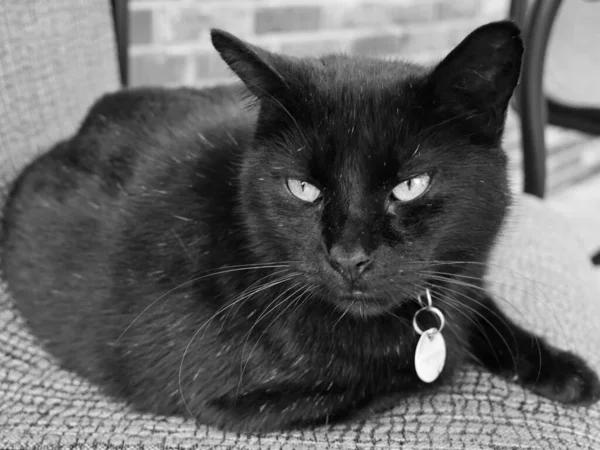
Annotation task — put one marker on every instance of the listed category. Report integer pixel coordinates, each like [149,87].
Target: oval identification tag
[430,355]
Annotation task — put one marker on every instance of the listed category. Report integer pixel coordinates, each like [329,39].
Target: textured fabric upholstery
[55,58]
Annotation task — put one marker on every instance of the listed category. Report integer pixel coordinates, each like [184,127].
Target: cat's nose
[350,263]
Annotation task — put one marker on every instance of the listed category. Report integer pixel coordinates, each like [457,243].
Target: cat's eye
[303,190]
[411,189]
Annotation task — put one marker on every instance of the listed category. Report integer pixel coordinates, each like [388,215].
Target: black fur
[140,250]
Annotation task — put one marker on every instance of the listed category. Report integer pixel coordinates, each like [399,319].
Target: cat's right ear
[259,69]
[481,73]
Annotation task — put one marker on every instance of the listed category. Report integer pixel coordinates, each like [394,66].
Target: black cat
[253,256]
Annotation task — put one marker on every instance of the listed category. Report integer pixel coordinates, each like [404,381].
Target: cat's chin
[365,306]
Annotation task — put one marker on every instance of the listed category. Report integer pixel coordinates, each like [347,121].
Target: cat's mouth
[361,304]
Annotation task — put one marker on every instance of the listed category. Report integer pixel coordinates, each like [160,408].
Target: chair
[536,108]
[533,104]
[55,59]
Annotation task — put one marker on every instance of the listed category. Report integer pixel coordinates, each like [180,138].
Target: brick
[157,69]
[211,65]
[452,9]
[423,44]
[495,9]
[141,28]
[237,19]
[193,23]
[313,47]
[287,19]
[434,38]
[379,44]
[183,24]
[376,14]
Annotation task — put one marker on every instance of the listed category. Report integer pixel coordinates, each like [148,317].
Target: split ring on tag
[430,354]
[432,310]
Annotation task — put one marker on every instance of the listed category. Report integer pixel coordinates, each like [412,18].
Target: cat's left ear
[260,70]
[483,70]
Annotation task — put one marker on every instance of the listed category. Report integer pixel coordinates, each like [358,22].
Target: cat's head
[366,172]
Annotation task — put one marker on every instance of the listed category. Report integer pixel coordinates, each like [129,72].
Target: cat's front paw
[562,377]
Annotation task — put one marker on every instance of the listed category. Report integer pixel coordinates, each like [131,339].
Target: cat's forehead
[345,67]
[353,129]
[362,102]
[353,92]
[361,78]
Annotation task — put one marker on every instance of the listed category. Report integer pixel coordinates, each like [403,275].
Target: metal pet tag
[430,355]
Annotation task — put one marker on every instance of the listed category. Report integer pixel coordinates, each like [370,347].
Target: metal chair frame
[534,107]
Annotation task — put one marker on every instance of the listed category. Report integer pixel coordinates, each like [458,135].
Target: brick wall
[170,40]
[170,45]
